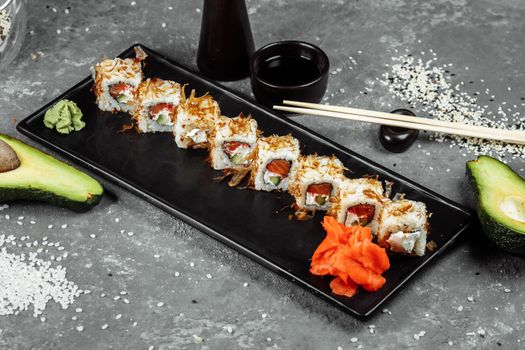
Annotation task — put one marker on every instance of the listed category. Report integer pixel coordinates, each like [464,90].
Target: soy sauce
[289,70]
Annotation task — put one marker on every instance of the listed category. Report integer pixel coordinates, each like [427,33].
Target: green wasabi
[64,116]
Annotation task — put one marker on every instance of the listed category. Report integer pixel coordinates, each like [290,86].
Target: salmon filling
[361,214]
[276,171]
[121,92]
[162,113]
[237,152]
[318,194]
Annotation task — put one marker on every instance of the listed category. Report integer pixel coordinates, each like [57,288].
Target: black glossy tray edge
[21,127]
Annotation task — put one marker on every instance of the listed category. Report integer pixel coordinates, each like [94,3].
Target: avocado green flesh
[237,159]
[43,178]
[275,180]
[500,194]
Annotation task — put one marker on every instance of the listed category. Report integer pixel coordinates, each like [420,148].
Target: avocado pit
[8,158]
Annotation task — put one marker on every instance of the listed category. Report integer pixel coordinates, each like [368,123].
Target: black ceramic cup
[289,70]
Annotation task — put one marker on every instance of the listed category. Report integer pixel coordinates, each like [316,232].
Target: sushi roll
[116,81]
[275,159]
[195,120]
[403,227]
[316,181]
[359,202]
[156,103]
[232,142]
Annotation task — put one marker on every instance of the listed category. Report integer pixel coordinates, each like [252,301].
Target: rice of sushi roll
[232,142]
[275,159]
[403,227]
[116,81]
[359,202]
[156,103]
[316,181]
[195,120]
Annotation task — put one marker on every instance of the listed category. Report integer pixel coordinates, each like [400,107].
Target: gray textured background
[486,35]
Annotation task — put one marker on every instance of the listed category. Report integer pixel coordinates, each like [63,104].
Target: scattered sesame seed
[123,292]
[126,301]
[177,274]
[80,328]
[118,316]
[117,219]
[353,340]
[74,318]
[208,276]
[78,309]
[63,226]
[470,298]
[133,3]
[460,308]
[197,339]
[93,235]
[130,233]
[507,290]
[245,284]
[104,326]
[160,304]
[163,25]
[192,264]
[156,256]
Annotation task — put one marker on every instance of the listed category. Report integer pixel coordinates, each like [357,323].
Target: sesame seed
[208,276]
[118,316]
[104,326]
[245,284]
[160,304]
[80,328]
[177,274]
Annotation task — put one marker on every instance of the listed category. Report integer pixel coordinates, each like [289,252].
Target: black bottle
[226,42]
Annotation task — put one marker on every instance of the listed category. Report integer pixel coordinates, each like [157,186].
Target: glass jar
[13,24]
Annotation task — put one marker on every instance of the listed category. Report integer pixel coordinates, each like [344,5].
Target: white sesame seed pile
[5,25]
[426,85]
[26,280]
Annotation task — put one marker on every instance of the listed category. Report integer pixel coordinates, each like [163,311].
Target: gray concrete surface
[262,310]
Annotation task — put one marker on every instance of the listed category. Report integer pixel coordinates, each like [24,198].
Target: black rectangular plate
[181,183]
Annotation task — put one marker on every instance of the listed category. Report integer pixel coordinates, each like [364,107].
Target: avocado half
[43,178]
[500,195]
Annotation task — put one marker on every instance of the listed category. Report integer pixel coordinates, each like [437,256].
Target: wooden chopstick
[490,135]
[405,118]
